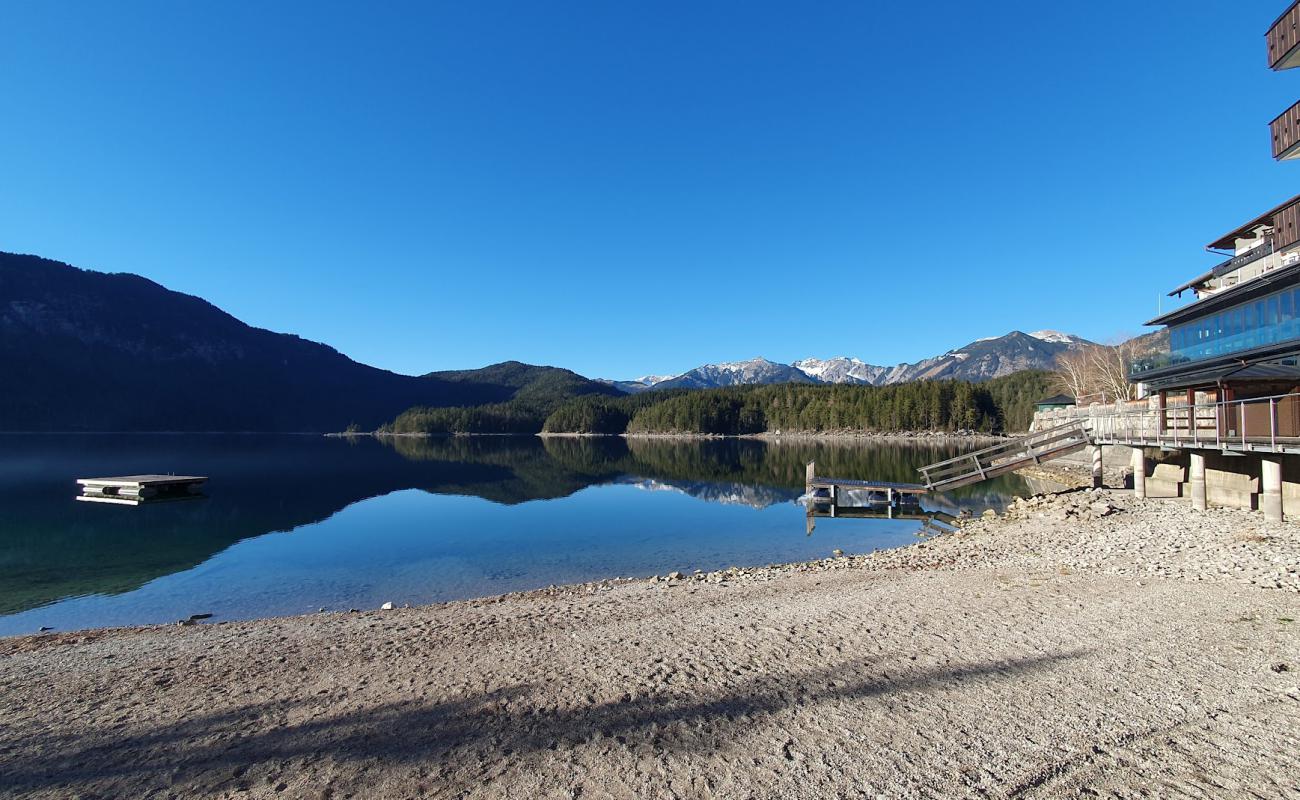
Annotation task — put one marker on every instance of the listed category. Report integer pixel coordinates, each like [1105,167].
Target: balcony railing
[1286,134]
[1284,40]
[1269,424]
[1252,255]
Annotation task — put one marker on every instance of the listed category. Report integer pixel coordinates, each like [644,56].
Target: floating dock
[133,490]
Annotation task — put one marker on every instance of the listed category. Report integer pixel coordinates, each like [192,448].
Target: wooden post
[1196,476]
[1096,466]
[1270,499]
[810,474]
[1161,422]
[1139,472]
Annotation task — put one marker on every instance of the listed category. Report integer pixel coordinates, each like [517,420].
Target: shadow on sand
[215,752]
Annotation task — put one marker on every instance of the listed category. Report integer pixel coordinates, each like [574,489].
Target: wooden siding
[1285,130]
[1284,35]
[1286,226]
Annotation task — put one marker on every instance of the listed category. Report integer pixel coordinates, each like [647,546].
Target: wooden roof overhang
[1229,240]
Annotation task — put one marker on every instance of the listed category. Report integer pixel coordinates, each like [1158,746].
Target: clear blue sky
[631,187]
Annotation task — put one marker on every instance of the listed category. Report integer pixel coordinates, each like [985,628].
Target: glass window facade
[1267,320]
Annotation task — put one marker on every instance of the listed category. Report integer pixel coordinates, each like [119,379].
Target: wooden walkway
[1009,456]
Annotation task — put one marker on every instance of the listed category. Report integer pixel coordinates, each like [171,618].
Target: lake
[292,524]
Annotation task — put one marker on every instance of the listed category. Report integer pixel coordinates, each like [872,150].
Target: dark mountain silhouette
[90,351]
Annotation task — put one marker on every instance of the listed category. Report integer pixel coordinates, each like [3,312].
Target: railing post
[1272,422]
[1218,423]
[1241,422]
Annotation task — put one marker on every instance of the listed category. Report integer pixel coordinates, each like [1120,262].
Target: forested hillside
[537,391]
[1001,405]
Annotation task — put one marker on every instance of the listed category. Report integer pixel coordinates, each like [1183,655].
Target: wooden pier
[829,488]
[133,490]
[885,500]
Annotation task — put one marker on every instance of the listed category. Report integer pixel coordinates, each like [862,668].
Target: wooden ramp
[1009,456]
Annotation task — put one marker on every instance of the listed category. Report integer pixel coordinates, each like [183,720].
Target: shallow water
[291,524]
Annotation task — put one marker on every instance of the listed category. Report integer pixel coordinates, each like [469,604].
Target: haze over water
[291,524]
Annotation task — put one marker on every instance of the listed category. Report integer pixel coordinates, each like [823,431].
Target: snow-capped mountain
[982,359]
[840,369]
[990,358]
[735,373]
[1059,338]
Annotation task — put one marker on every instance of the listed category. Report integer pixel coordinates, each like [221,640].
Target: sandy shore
[1087,644]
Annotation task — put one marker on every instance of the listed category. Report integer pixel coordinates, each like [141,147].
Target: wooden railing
[1258,423]
[990,462]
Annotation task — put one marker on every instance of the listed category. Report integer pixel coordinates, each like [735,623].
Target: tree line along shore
[1001,405]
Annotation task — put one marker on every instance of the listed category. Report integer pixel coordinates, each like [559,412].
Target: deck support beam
[1270,499]
[1196,477]
[1095,451]
[1139,472]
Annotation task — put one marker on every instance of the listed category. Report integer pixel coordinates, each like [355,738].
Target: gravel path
[1086,644]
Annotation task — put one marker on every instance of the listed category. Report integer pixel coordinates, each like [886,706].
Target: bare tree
[1096,373]
[1109,366]
[1072,370]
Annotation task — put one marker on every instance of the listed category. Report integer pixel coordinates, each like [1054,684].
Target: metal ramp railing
[1009,456]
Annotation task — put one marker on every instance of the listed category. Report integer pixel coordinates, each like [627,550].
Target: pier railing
[1041,445]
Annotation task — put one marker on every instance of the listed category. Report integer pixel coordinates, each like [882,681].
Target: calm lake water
[291,524]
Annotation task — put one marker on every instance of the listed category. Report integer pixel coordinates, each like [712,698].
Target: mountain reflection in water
[53,549]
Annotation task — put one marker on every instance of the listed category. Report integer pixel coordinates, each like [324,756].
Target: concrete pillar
[1270,499]
[1139,472]
[1196,477]
[1096,465]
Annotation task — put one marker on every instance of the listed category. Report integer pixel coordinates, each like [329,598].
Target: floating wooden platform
[136,489]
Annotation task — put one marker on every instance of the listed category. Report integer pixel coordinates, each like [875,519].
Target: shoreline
[1084,639]
[924,437]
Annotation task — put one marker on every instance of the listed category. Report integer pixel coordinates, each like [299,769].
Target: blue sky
[623,187]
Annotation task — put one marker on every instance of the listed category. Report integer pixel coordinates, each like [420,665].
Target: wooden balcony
[1284,39]
[1286,134]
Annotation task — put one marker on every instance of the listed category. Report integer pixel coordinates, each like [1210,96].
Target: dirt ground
[920,673]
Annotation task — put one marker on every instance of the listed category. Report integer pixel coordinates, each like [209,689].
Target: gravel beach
[1083,644]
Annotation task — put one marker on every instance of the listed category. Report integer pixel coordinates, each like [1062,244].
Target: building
[1225,397]
[1054,403]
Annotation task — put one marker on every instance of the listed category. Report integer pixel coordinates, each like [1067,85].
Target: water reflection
[52,547]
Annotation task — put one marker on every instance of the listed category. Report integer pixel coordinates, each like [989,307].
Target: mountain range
[981,360]
[89,351]
[92,351]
